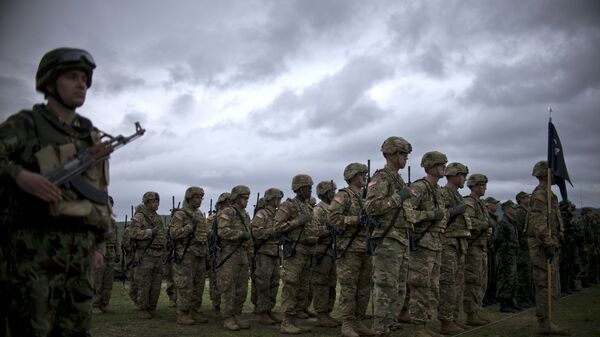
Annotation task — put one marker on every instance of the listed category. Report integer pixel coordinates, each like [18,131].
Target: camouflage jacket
[263,232]
[480,222]
[189,225]
[286,223]
[521,221]
[344,216]
[142,224]
[380,205]
[318,227]
[460,227]
[232,224]
[538,219]
[506,236]
[427,199]
[112,248]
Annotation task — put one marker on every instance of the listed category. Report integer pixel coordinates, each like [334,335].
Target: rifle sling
[354,235]
[238,245]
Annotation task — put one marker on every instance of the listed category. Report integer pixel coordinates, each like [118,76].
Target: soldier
[429,217]
[266,257]
[387,192]
[148,230]
[454,250]
[489,298]
[51,231]
[589,246]
[104,276]
[236,250]
[323,272]
[189,232]
[291,220]
[524,293]
[354,265]
[476,259]
[129,250]
[215,296]
[506,244]
[569,268]
[543,229]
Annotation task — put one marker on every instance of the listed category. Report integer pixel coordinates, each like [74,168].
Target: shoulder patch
[223,216]
[372,183]
[179,215]
[260,215]
[339,198]
[138,217]
[285,208]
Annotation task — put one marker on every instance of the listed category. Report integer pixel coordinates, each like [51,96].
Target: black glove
[303,219]
[245,236]
[456,210]
[154,231]
[438,214]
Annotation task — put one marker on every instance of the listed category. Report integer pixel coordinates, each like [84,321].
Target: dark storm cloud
[15,94]
[116,82]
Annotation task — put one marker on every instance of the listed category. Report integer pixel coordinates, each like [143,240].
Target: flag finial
[550,111]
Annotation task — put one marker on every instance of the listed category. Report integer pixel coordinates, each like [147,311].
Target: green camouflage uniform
[46,261]
[104,277]
[524,292]
[189,232]
[149,255]
[233,275]
[323,272]
[215,296]
[454,250]
[424,264]
[506,244]
[129,246]
[266,274]
[390,264]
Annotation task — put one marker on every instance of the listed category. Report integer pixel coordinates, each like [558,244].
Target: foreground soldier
[387,192]
[148,230]
[104,277]
[476,259]
[266,274]
[429,217]
[524,294]
[236,249]
[454,250]
[291,219]
[543,247]
[189,232]
[50,232]
[354,266]
[323,273]
[506,244]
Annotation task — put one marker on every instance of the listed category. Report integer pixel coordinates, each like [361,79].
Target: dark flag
[556,161]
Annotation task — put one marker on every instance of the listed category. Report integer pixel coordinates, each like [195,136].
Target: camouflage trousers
[305,291]
[323,280]
[266,282]
[104,278]
[424,281]
[540,280]
[452,279]
[189,277]
[390,273]
[475,278]
[148,276]
[354,275]
[293,274]
[48,282]
[506,267]
[232,281]
[215,296]
[524,291]
[168,276]
[133,286]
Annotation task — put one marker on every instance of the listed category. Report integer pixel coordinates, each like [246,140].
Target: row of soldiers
[414,248]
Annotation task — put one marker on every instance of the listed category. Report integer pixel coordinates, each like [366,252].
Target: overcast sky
[254,92]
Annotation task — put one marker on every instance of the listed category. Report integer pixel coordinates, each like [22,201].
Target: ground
[580,313]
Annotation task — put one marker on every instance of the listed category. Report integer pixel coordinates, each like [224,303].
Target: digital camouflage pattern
[266,274]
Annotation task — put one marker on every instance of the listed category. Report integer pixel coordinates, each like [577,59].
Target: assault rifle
[71,171]
[171,253]
[214,247]
[210,210]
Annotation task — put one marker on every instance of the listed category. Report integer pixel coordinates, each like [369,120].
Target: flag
[556,161]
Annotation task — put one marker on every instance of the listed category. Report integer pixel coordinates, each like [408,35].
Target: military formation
[417,251]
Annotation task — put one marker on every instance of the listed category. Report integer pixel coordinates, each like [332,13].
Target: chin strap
[61,101]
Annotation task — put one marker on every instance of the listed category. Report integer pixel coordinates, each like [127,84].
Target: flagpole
[549,205]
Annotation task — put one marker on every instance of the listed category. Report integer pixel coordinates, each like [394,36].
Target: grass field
[579,312]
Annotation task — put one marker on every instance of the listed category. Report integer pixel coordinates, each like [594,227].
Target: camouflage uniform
[104,277]
[46,262]
[524,292]
[489,297]
[189,232]
[506,244]
[129,249]
[148,230]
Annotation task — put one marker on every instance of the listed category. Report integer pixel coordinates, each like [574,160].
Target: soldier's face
[71,87]
[243,200]
[438,170]
[196,200]
[402,159]
[479,190]
[153,204]
[304,192]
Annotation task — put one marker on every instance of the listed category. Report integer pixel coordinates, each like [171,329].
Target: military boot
[198,317]
[97,311]
[348,329]
[288,327]
[461,325]
[275,316]
[324,321]
[242,324]
[264,318]
[506,308]
[302,314]
[431,332]
[147,314]
[107,310]
[548,328]
[404,317]
[478,313]
[333,319]
[184,318]
[450,328]
[230,324]
[363,330]
[420,330]
[302,326]
[474,320]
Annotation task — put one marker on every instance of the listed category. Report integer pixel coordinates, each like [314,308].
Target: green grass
[579,312]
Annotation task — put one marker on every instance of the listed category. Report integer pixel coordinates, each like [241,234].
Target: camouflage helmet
[325,186]
[354,169]
[238,191]
[396,144]
[57,61]
[508,203]
[521,195]
[192,191]
[223,197]
[477,179]
[433,158]
[540,169]
[454,169]
[491,201]
[301,180]
[150,196]
[273,193]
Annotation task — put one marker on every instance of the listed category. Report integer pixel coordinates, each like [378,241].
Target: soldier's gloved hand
[438,214]
[245,236]
[399,197]
[456,210]
[303,219]
[154,231]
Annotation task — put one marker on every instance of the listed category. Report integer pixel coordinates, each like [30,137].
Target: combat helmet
[354,169]
[454,169]
[325,186]
[193,190]
[57,61]
[150,196]
[301,180]
[476,179]
[396,144]
[273,193]
[433,158]
[540,169]
[238,191]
